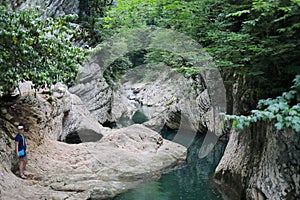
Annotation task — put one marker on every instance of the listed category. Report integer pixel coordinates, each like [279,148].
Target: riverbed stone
[121,159]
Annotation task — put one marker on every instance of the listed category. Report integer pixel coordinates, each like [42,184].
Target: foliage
[115,70]
[91,13]
[130,14]
[254,39]
[285,110]
[173,60]
[36,49]
[274,28]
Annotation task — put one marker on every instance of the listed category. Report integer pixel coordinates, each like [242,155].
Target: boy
[20,146]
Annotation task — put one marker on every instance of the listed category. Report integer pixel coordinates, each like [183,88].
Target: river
[191,181]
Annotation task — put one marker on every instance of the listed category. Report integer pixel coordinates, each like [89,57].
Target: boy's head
[21,127]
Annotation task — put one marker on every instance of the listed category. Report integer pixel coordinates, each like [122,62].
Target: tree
[91,13]
[252,40]
[36,49]
[255,43]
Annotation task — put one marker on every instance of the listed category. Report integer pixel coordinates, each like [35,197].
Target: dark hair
[21,126]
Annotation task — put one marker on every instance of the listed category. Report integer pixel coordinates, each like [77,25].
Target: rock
[55,116]
[8,117]
[100,169]
[53,7]
[160,93]
[161,101]
[3,111]
[122,108]
[94,92]
[59,90]
[262,167]
[77,119]
[24,87]
[95,170]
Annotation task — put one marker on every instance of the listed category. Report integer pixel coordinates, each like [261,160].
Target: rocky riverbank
[89,170]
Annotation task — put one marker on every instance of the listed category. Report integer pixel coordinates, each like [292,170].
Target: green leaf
[32,51]
[238,13]
[240,126]
[279,125]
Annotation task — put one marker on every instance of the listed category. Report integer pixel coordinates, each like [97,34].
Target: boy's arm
[17,148]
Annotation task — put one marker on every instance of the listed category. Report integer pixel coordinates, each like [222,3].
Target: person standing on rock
[20,146]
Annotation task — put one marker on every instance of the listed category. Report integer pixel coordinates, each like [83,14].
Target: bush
[36,49]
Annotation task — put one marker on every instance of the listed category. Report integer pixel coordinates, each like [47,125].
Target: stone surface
[77,119]
[96,170]
[94,92]
[161,94]
[53,7]
[261,163]
[165,97]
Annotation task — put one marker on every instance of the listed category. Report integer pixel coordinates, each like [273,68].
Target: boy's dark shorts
[23,158]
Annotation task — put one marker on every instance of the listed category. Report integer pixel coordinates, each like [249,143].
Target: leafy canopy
[36,49]
[90,19]
[255,43]
[253,39]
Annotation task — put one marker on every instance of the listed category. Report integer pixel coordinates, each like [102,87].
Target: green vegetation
[36,49]
[254,39]
[283,110]
[91,14]
[115,70]
[255,43]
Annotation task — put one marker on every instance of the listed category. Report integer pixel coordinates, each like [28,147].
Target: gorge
[105,134]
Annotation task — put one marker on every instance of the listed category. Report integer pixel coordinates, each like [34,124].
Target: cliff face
[52,7]
[261,163]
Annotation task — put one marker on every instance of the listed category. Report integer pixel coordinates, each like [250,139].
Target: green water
[139,117]
[190,181]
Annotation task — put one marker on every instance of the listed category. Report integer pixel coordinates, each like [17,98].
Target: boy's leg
[25,163]
[21,167]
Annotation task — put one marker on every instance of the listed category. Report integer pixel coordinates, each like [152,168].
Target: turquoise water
[190,181]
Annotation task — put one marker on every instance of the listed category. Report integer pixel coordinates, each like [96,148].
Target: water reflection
[188,182]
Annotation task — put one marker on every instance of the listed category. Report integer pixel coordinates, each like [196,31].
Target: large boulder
[117,160]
